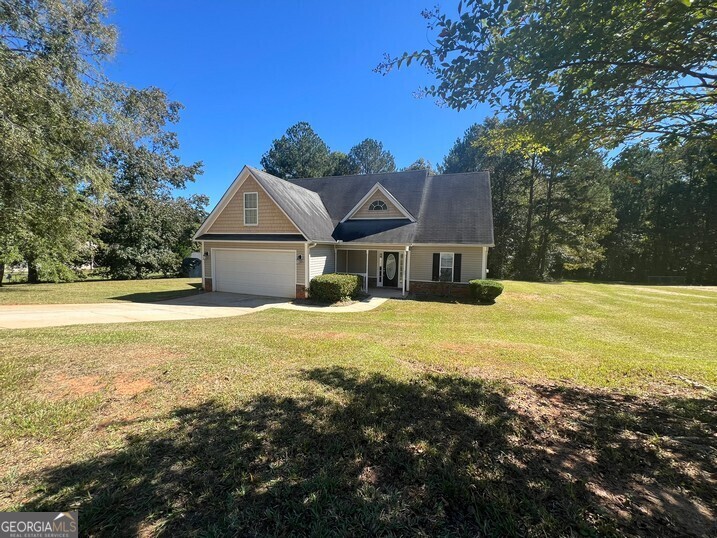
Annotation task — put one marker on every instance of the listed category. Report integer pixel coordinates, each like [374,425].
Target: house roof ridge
[481,171]
[357,175]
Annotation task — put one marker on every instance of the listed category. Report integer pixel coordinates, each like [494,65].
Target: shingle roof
[304,207]
[450,208]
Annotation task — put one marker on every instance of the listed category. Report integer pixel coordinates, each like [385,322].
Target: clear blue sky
[246,71]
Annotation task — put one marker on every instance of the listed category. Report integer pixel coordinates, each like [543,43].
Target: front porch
[385,271]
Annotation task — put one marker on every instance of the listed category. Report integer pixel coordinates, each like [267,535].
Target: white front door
[256,272]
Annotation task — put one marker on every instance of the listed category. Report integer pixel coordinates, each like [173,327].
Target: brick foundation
[443,289]
[301,291]
[207,284]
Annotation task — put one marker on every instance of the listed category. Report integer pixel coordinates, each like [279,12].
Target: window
[378,205]
[446,268]
[251,208]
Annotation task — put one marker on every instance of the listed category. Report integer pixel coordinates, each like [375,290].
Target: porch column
[403,282]
[408,270]
[366,279]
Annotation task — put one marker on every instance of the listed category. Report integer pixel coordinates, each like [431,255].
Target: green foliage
[298,153]
[369,157]
[617,69]
[149,232]
[421,164]
[485,291]
[551,197]
[62,129]
[666,203]
[335,287]
[341,165]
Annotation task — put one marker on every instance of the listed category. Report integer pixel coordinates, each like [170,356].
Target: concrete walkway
[201,306]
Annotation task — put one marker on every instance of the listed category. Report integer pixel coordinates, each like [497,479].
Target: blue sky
[246,71]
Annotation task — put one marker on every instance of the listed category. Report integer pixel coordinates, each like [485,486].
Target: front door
[390,269]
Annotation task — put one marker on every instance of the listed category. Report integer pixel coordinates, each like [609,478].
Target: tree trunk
[32,275]
[546,225]
[524,270]
[2,273]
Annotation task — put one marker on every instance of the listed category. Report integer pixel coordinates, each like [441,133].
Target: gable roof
[390,197]
[303,208]
[449,208]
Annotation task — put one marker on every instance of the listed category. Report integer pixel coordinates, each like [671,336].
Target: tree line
[602,152]
[605,159]
[88,166]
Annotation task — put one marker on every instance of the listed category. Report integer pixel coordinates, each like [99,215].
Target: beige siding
[422,262]
[392,213]
[321,260]
[271,218]
[298,247]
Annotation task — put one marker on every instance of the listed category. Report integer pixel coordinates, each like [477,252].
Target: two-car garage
[257,272]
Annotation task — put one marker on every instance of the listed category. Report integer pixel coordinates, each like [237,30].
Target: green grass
[560,410]
[99,291]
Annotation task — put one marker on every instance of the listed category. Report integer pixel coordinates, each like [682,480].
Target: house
[411,231]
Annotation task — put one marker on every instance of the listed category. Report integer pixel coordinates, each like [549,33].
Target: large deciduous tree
[300,152]
[619,69]
[62,122]
[369,157]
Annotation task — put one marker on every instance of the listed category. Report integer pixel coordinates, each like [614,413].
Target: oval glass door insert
[390,266]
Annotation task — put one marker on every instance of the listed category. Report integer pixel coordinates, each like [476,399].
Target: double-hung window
[251,208]
[446,268]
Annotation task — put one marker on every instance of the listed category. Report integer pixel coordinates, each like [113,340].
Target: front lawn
[564,409]
[99,291]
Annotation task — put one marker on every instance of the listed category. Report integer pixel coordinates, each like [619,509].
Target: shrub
[485,291]
[335,287]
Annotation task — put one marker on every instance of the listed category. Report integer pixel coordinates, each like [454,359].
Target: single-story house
[412,231]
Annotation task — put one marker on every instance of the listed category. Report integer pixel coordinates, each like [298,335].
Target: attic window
[251,208]
[378,205]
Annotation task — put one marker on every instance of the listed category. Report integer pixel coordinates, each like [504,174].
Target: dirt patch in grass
[61,386]
[125,386]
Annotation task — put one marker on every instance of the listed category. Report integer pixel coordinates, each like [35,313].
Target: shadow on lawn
[155,296]
[437,455]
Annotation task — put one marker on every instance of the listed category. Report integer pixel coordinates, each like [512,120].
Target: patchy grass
[554,412]
[99,291]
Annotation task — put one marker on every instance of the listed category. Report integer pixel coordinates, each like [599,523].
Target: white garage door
[257,272]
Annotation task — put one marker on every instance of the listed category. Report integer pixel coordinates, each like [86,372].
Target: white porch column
[403,282]
[408,269]
[366,279]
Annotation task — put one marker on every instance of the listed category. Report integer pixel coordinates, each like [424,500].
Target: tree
[618,69]
[666,203]
[508,171]
[298,153]
[61,122]
[147,230]
[341,165]
[551,198]
[421,164]
[369,157]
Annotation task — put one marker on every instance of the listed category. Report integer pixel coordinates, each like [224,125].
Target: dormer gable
[378,203]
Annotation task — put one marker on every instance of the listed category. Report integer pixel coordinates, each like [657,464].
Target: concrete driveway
[201,306]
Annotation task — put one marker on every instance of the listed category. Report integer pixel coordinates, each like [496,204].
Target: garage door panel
[256,272]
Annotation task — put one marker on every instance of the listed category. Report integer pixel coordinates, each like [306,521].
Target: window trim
[378,201]
[251,209]
[440,265]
